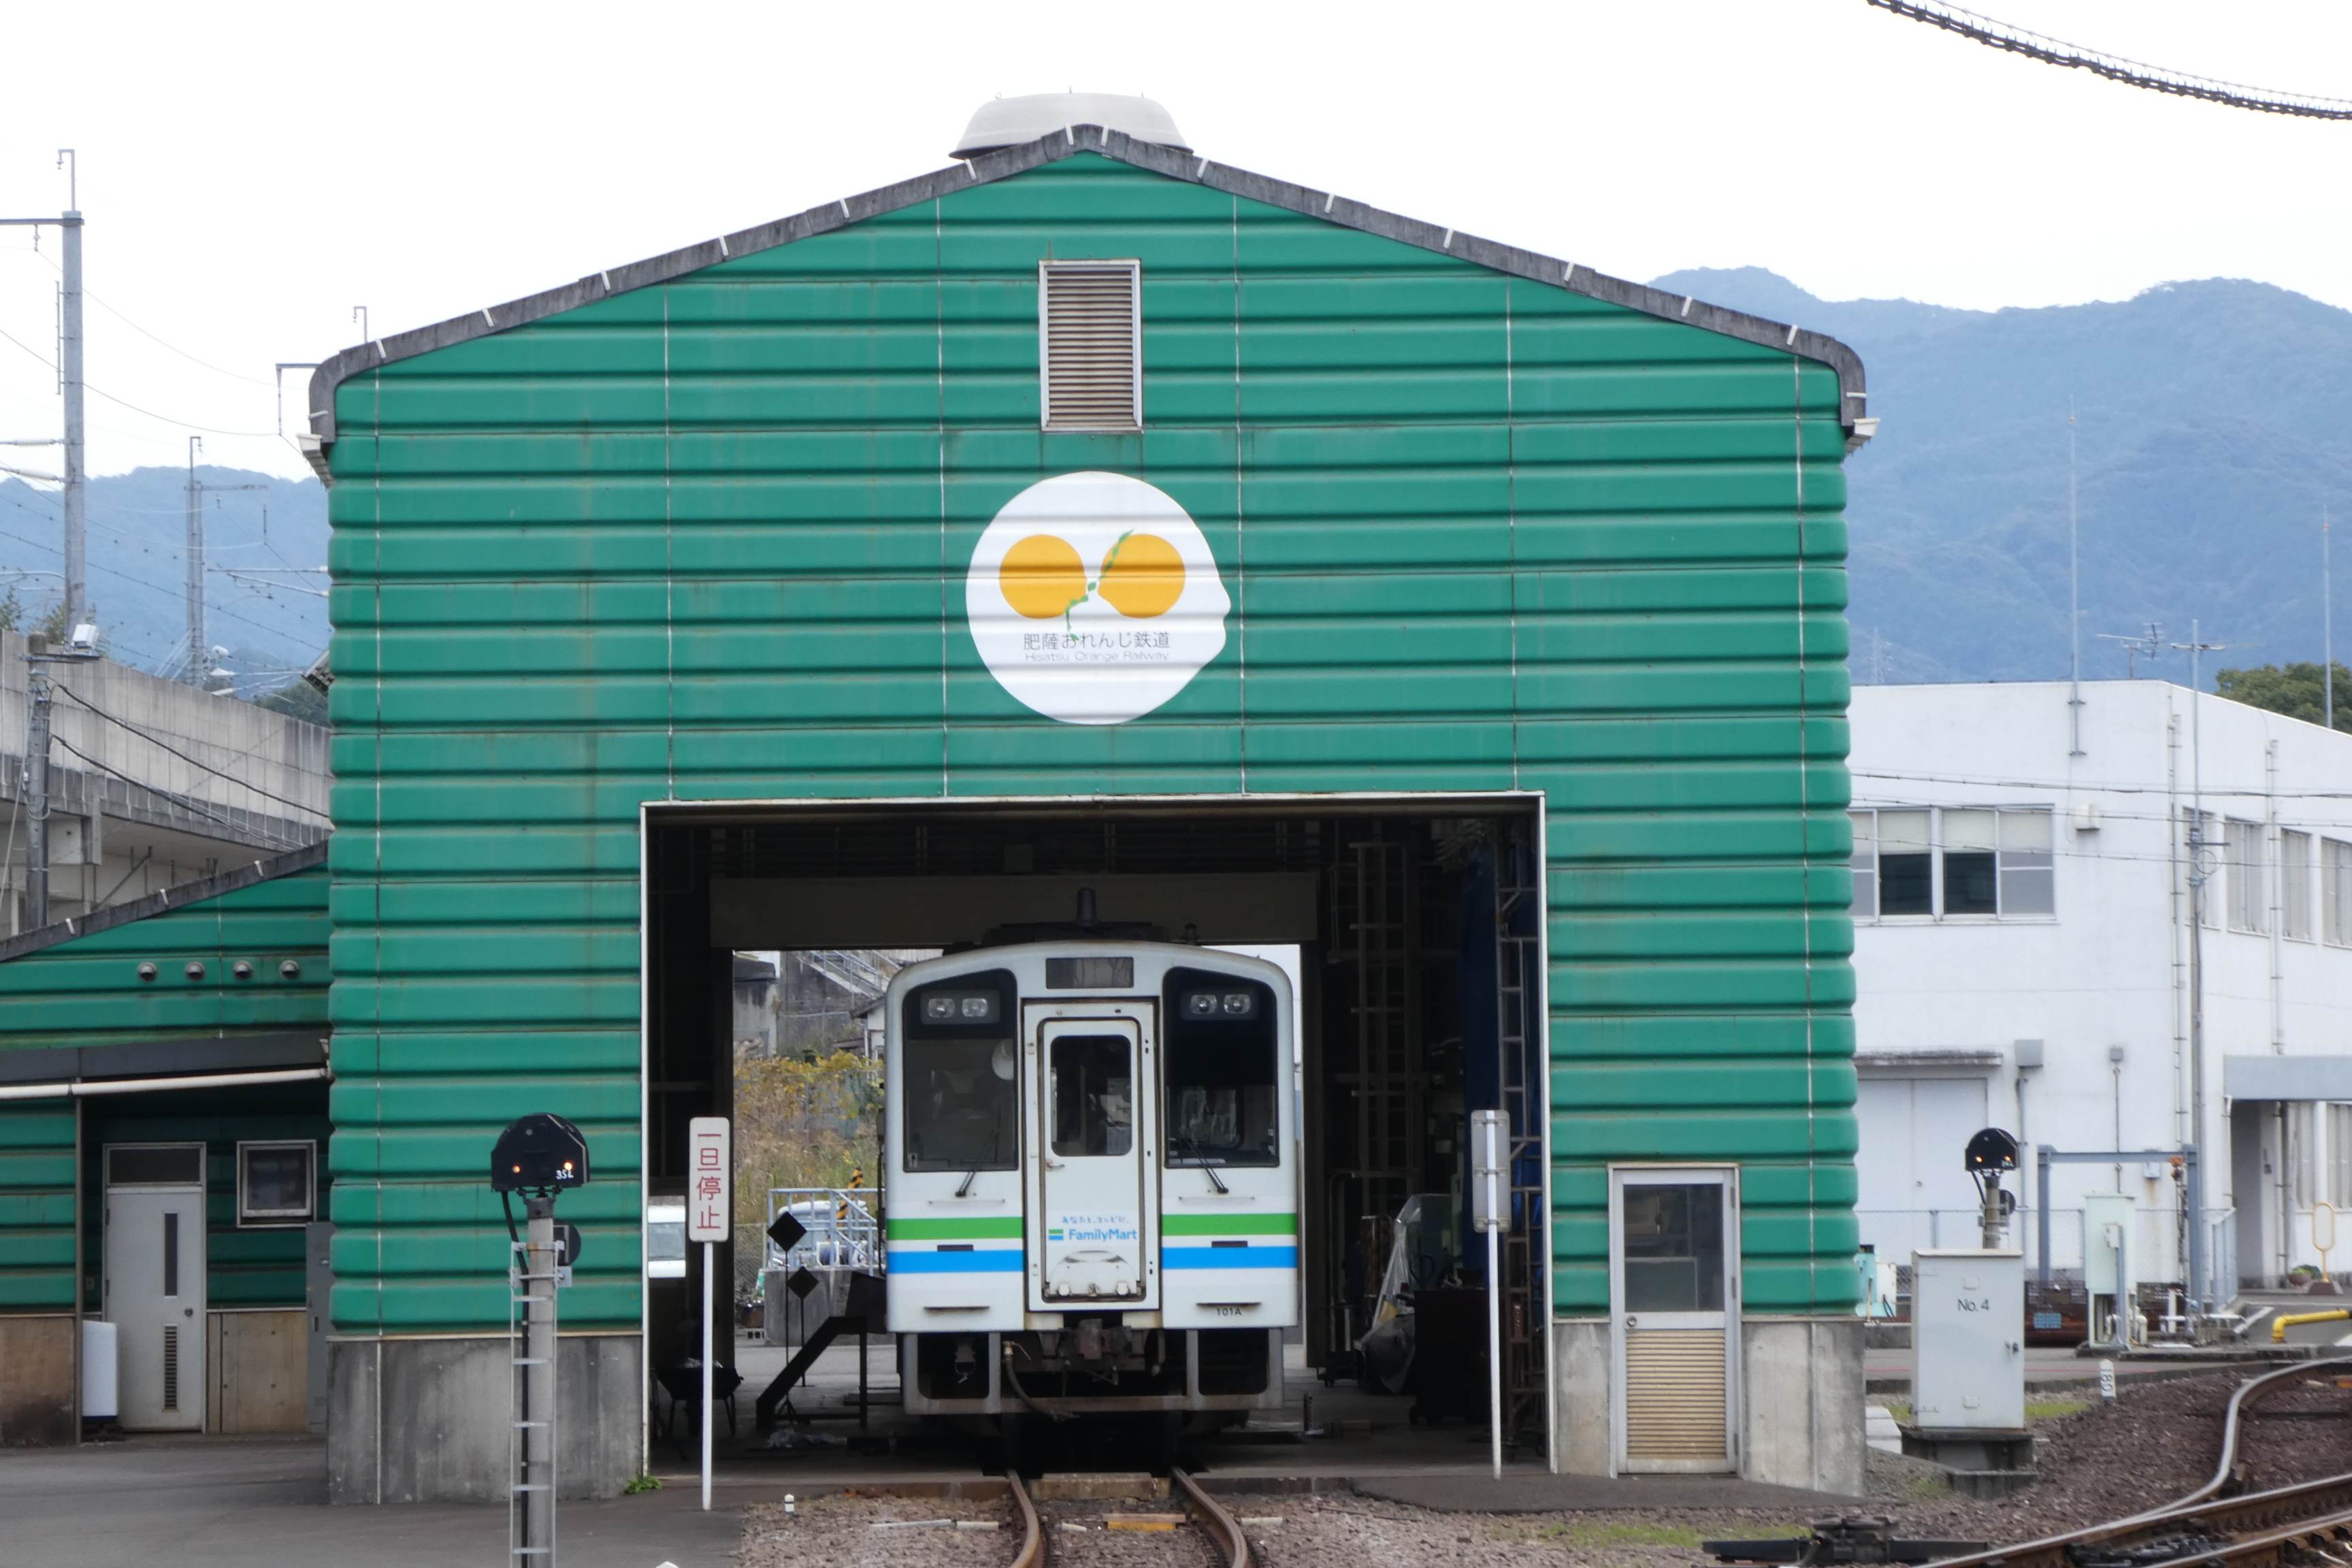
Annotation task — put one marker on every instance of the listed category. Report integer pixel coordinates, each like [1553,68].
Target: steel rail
[1222,1526]
[1033,1539]
[2198,1508]
[2255,1549]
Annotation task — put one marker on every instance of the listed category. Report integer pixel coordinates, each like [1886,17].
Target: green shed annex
[1094,515]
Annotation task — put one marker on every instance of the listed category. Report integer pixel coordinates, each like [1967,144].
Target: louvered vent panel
[171,1367]
[1673,1393]
[1091,348]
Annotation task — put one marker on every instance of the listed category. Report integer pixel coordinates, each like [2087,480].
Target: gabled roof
[175,897]
[1121,147]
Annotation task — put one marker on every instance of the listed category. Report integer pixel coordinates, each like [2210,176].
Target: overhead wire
[111,310]
[2035,45]
[123,402]
[183,802]
[158,741]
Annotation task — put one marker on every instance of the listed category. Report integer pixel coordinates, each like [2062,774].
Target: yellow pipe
[2279,1325]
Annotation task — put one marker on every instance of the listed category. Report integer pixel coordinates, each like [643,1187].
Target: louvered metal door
[1674,1298]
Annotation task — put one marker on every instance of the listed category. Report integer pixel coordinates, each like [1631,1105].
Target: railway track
[2204,1529]
[1222,1528]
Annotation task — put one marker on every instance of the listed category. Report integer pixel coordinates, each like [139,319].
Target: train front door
[1091,1241]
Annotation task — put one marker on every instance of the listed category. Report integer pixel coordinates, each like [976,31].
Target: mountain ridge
[2213,422]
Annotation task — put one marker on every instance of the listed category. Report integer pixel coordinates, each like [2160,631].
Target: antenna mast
[2074,595]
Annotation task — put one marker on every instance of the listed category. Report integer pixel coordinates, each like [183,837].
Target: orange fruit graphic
[1143,576]
[1042,577]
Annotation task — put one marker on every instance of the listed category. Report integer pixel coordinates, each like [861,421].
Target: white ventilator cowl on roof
[1010,121]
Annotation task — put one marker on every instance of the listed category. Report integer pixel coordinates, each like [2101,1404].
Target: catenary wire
[122,403]
[2130,73]
[275,839]
[157,741]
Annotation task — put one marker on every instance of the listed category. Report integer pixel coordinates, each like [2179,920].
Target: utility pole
[2326,622]
[2199,876]
[2073,595]
[70,378]
[197,670]
[40,655]
[70,384]
[199,649]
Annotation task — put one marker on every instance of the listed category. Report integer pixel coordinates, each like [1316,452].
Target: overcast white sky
[250,173]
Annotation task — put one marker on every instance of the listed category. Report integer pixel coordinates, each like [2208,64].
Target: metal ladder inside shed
[1520,1038]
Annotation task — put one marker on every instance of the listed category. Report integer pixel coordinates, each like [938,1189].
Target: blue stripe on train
[1229,1257]
[1003,1260]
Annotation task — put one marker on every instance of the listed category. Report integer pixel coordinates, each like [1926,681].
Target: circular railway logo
[1093,598]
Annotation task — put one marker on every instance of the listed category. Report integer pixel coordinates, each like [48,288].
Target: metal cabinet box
[1968,1341]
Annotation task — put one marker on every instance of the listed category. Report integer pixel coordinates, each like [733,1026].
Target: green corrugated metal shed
[695,530]
[73,1006]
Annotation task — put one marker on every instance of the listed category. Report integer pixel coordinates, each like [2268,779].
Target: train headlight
[1220,1004]
[960,1007]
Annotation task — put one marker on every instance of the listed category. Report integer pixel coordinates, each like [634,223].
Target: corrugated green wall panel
[36,1204]
[697,542]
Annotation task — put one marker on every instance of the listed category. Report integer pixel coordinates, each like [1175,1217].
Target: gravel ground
[2157,1441]
[839,1533]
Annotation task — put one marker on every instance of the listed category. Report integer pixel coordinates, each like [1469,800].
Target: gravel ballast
[2159,1440]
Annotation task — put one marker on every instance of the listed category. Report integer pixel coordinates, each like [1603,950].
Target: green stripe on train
[975,1227]
[1229,1225]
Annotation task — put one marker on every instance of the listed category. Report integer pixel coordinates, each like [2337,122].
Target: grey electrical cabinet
[1968,1341]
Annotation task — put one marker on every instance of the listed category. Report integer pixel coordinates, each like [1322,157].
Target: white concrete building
[2025,957]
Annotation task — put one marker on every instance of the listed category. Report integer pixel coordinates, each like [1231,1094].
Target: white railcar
[1094,1182]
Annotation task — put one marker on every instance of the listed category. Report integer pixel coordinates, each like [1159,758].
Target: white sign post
[710,1219]
[1490,1211]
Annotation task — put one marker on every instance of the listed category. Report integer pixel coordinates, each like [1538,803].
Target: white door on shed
[1912,1192]
[155,1283]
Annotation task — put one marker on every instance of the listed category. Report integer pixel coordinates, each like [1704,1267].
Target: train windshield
[1093,1095]
[962,1108]
[1221,1061]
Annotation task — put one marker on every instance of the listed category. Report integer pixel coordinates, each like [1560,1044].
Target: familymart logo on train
[1093,598]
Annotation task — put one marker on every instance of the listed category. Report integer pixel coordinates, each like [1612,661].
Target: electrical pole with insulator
[69,383]
[38,657]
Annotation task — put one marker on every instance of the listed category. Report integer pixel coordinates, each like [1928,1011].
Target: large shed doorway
[1418,925]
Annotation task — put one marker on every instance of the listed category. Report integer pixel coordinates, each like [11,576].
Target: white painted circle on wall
[1093,598]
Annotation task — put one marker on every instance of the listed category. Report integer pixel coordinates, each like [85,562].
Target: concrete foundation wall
[1580,1360]
[1801,1400]
[426,1420]
[1804,1403]
[36,1374]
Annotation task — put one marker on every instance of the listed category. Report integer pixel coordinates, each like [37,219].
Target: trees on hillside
[2296,691]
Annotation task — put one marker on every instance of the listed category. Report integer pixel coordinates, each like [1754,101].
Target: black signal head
[541,1152]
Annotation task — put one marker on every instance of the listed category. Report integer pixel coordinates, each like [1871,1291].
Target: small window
[1907,873]
[2243,852]
[2340,1155]
[1673,1247]
[2027,874]
[276,1183]
[1971,883]
[1961,861]
[1090,345]
[155,1165]
[1092,1095]
[1865,865]
[2335,892]
[2294,885]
